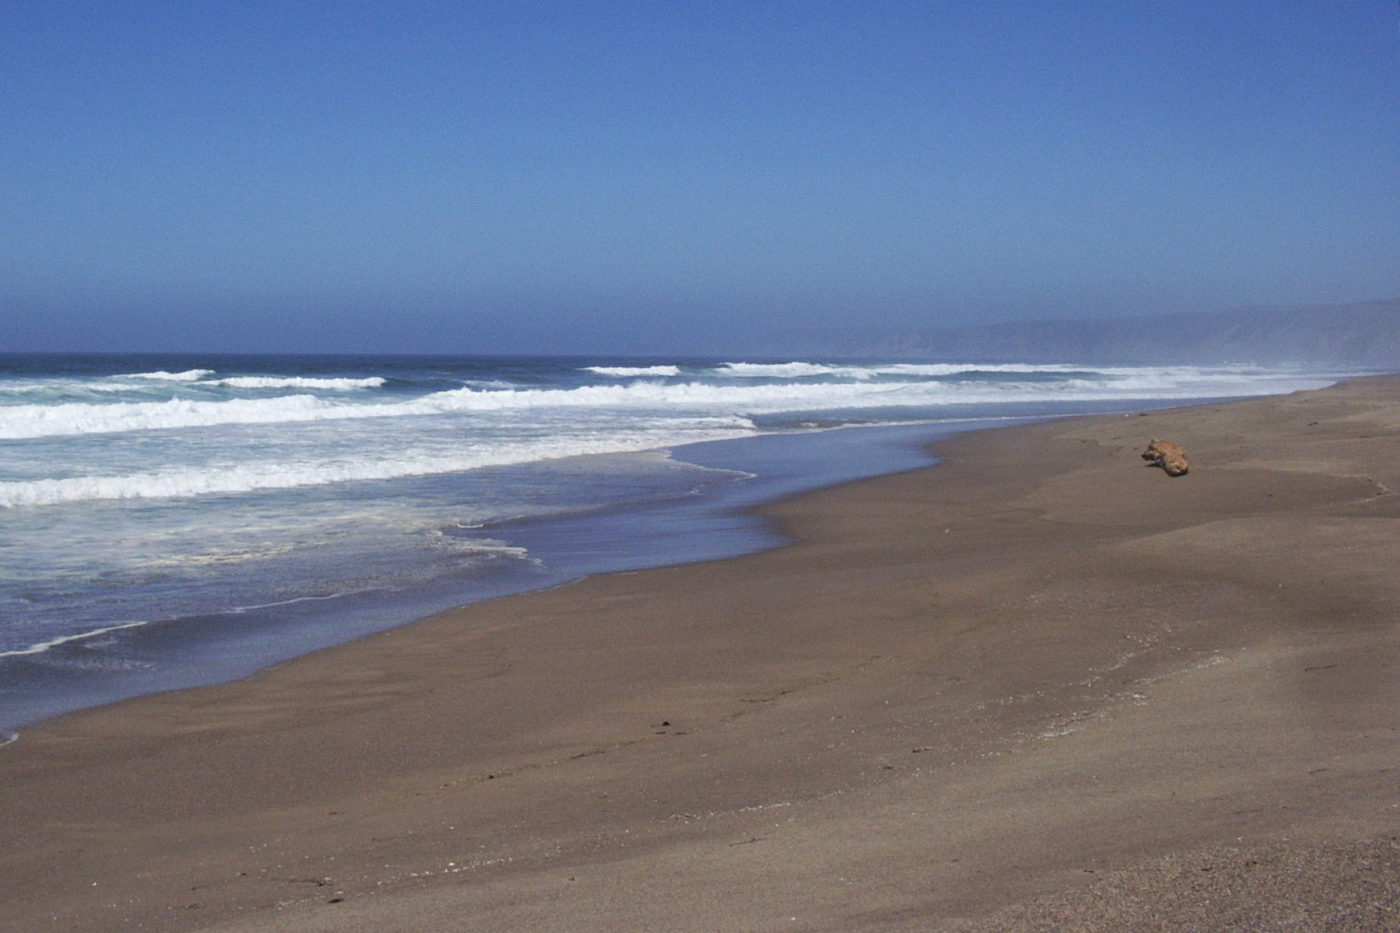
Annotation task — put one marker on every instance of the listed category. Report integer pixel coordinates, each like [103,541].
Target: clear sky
[671,177]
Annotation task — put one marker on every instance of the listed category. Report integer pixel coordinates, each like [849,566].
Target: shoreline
[210,648]
[227,644]
[964,695]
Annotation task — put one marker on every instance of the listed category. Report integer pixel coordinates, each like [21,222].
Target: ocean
[174,520]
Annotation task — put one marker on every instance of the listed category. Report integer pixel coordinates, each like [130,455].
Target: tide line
[52,643]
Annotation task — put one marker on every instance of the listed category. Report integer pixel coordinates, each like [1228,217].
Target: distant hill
[1363,334]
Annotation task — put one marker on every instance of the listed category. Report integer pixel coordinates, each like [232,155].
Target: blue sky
[680,177]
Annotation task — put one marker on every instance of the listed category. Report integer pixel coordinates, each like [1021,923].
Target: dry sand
[1039,686]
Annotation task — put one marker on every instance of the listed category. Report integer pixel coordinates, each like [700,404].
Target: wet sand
[1038,686]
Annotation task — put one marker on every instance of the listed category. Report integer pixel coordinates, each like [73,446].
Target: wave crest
[900,388]
[626,371]
[229,479]
[160,375]
[298,382]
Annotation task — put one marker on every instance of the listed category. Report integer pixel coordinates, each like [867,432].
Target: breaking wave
[625,372]
[235,478]
[160,375]
[901,385]
[297,382]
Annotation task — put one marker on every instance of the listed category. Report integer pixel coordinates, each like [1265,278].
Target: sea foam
[191,486]
[252,476]
[51,643]
[160,375]
[861,390]
[298,382]
[632,371]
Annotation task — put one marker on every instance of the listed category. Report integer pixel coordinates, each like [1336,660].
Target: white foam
[793,370]
[52,386]
[52,643]
[160,375]
[862,371]
[30,421]
[797,396]
[228,479]
[958,369]
[298,382]
[626,371]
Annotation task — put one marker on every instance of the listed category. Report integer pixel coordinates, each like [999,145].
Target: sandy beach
[1040,685]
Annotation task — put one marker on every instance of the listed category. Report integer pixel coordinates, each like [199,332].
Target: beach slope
[1040,685]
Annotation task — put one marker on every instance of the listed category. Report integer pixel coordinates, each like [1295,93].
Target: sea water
[184,519]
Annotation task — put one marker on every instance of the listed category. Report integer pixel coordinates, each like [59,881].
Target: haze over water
[719,178]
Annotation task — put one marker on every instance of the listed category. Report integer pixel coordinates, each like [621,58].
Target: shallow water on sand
[172,521]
